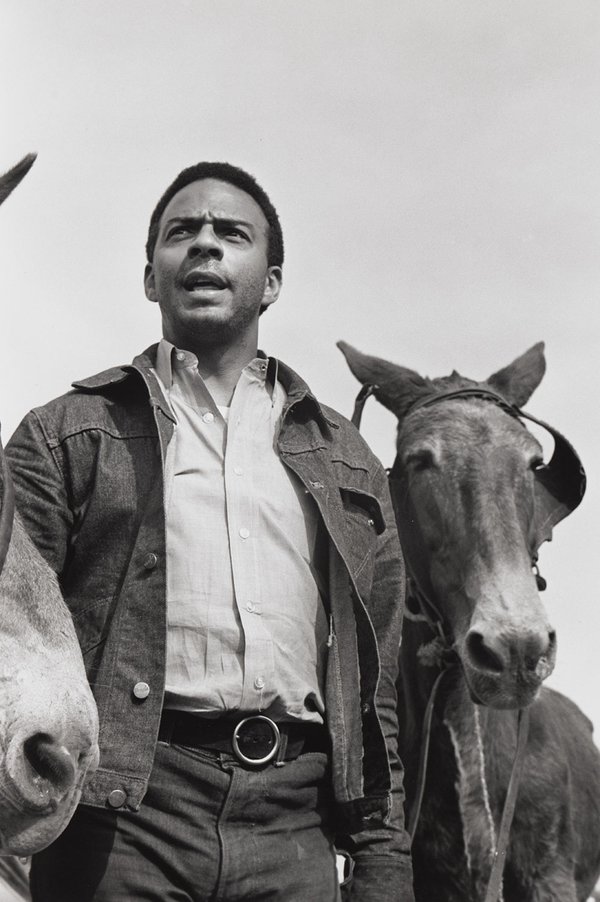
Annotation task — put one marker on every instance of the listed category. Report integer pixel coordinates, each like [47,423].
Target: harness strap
[495,881]
[415,810]
[476,391]
[364,394]
[428,611]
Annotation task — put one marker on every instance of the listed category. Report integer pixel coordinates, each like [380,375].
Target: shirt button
[150,561]
[250,607]
[208,417]
[117,798]
[238,471]
[141,690]
[259,683]
[180,356]
[245,533]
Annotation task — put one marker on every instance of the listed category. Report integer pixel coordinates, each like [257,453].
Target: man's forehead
[215,197]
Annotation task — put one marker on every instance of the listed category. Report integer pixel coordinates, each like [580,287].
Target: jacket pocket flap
[364,505]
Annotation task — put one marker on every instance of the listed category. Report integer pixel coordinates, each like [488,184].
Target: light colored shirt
[247,628]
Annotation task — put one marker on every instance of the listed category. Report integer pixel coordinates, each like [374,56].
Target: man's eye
[233,232]
[177,231]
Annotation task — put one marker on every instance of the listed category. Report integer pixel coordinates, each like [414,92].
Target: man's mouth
[200,280]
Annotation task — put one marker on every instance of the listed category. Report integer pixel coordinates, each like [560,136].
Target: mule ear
[518,381]
[396,387]
[11,179]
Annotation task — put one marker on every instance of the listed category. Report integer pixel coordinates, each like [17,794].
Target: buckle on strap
[256,740]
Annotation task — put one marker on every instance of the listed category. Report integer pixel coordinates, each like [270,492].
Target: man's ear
[273,283]
[149,284]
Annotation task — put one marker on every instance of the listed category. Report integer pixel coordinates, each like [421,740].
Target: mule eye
[420,459]
[536,462]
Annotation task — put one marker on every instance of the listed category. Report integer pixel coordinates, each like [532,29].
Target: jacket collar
[144,361]
[298,392]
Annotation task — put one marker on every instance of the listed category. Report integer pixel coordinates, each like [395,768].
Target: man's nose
[206,243]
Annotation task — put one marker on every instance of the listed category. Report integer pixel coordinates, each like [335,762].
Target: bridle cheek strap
[361,399]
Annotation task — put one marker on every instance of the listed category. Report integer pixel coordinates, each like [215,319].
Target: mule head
[10,179]
[464,490]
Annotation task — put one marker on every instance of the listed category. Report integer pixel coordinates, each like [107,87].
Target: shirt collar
[170,360]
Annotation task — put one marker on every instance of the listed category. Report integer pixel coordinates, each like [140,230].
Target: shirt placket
[244,539]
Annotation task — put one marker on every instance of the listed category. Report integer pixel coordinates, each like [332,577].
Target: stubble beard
[210,327]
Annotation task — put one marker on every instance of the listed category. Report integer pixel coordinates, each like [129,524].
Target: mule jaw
[515,690]
[27,833]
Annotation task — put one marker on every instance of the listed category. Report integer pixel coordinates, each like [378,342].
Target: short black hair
[233,175]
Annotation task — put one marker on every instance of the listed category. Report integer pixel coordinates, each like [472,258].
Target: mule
[474,501]
[48,718]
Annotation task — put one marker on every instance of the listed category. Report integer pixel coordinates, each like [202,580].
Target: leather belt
[254,740]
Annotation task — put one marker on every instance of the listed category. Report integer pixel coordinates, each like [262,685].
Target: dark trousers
[209,830]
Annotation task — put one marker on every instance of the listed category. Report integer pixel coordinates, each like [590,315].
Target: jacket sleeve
[40,491]
[382,860]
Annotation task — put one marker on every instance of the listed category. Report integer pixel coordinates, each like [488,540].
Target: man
[227,548]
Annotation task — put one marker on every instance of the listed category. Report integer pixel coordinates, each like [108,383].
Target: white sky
[436,168]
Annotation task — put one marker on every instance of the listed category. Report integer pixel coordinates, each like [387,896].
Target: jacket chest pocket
[363,523]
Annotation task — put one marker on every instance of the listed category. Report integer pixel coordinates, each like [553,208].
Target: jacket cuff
[377,879]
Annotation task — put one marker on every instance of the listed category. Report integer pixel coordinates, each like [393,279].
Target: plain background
[435,164]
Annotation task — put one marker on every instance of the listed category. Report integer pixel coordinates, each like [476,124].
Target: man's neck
[220,367]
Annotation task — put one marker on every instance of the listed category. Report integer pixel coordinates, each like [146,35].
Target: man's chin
[212,324]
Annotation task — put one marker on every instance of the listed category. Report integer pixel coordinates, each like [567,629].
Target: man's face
[209,274]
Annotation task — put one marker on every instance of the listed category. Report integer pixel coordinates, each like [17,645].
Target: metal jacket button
[150,561]
[117,798]
[141,690]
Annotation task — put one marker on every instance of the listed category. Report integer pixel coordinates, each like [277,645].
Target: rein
[448,659]
[8,508]
[495,882]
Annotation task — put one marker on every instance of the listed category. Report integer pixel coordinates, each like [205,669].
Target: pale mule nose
[493,652]
[45,768]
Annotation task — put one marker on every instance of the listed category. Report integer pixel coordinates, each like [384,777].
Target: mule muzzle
[505,668]
[43,771]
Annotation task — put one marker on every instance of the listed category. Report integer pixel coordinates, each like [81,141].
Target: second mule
[474,501]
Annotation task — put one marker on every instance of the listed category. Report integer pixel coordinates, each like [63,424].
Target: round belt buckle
[243,735]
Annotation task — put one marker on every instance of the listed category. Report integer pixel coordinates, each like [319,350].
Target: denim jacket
[88,472]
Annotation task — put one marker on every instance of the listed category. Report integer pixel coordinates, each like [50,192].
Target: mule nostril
[482,655]
[538,647]
[50,761]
